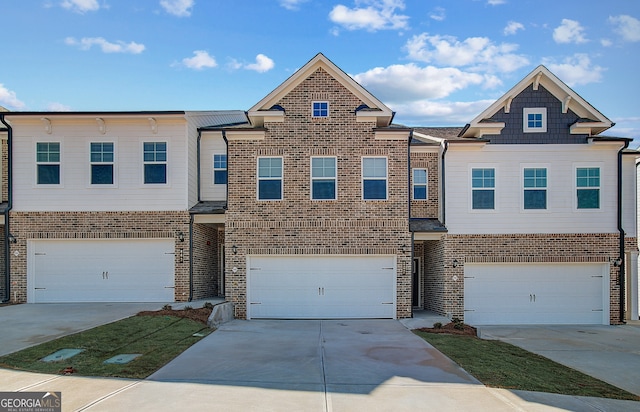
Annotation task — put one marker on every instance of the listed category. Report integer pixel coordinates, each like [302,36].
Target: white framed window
[588,187]
[534,120]
[48,163]
[534,182]
[320,109]
[374,178]
[102,163]
[220,169]
[269,178]
[420,184]
[483,184]
[324,178]
[155,162]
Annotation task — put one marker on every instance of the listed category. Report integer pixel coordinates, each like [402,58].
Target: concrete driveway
[609,353]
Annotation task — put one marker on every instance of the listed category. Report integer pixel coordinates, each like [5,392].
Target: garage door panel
[307,287]
[535,294]
[95,270]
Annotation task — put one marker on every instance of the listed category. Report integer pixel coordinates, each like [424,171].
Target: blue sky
[434,62]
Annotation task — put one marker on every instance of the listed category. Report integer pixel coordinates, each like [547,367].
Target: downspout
[198,161]
[442,182]
[410,193]
[7,255]
[621,269]
[190,257]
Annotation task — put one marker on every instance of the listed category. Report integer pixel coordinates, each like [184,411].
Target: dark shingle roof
[426,225]
[209,208]
[449,133]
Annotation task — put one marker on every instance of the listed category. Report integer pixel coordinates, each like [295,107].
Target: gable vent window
[535,120]
[320,109]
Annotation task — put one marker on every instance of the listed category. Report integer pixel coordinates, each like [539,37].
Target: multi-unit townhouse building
[313,204]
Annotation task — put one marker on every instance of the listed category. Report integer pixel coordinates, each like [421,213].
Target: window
[374,178]
[588,187]
[320,109]
[219,169]
[483,183]
[535,188]
[101,163]
[535,120]
[155,162]
[323,178]
[269,178]
[419,184]
[48,163]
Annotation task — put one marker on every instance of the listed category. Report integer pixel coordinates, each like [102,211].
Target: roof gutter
[621,268]
[7,233]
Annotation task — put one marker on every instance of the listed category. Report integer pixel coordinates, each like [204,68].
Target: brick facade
[205,261]
[97,225]
[298,225]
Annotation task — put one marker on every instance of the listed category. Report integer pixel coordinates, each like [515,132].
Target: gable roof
[591,119]
[375,108]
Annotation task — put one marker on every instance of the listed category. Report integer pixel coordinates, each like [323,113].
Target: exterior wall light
[455,263]
[234,249]
[181,236]
[617,262]
[12,239]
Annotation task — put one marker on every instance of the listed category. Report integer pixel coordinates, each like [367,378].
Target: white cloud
[606,42]
[107,47]
[9,100]
[628,27]
[292,4]
[476,53]
[438,14]
[409,82]
[440,113]
[57,107]
[200,60]
[370,15]
[512,28]
[180,8]
[496,2]
[81,6]
[576,70]
[262,64]
[569,31]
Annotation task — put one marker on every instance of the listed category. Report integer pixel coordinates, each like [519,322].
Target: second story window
[320,109]
[483,183]
[588,187]
[155,162]
[269,178]
[48,163]
[419,184]
[374,178]
[101,163]
[323,178]
[219,169]
[535,188]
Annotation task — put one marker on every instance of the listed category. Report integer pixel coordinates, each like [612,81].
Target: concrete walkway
[609,353]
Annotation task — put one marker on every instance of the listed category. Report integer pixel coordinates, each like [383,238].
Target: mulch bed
[450,328]
[198,314]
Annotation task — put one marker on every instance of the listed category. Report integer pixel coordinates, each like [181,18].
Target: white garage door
[496,294]
[321,287]
[133,270]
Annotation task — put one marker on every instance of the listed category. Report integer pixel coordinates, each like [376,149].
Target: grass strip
[158,338]
[499,364]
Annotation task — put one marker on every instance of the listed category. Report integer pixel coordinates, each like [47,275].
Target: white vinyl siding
[561,215]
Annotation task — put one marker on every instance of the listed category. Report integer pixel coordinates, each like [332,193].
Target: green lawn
[158,338]
[501,365]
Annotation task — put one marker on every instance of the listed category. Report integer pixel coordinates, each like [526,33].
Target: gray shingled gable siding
[558,123]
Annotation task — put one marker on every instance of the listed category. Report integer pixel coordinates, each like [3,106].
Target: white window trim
[60,163]
[522,188]
[413,184]
[311,178]
[386,178]
[328,109]
[156,185]
[114,163]
[258,179]
[213,170]
[495,187]
[525,121]
[577,166]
